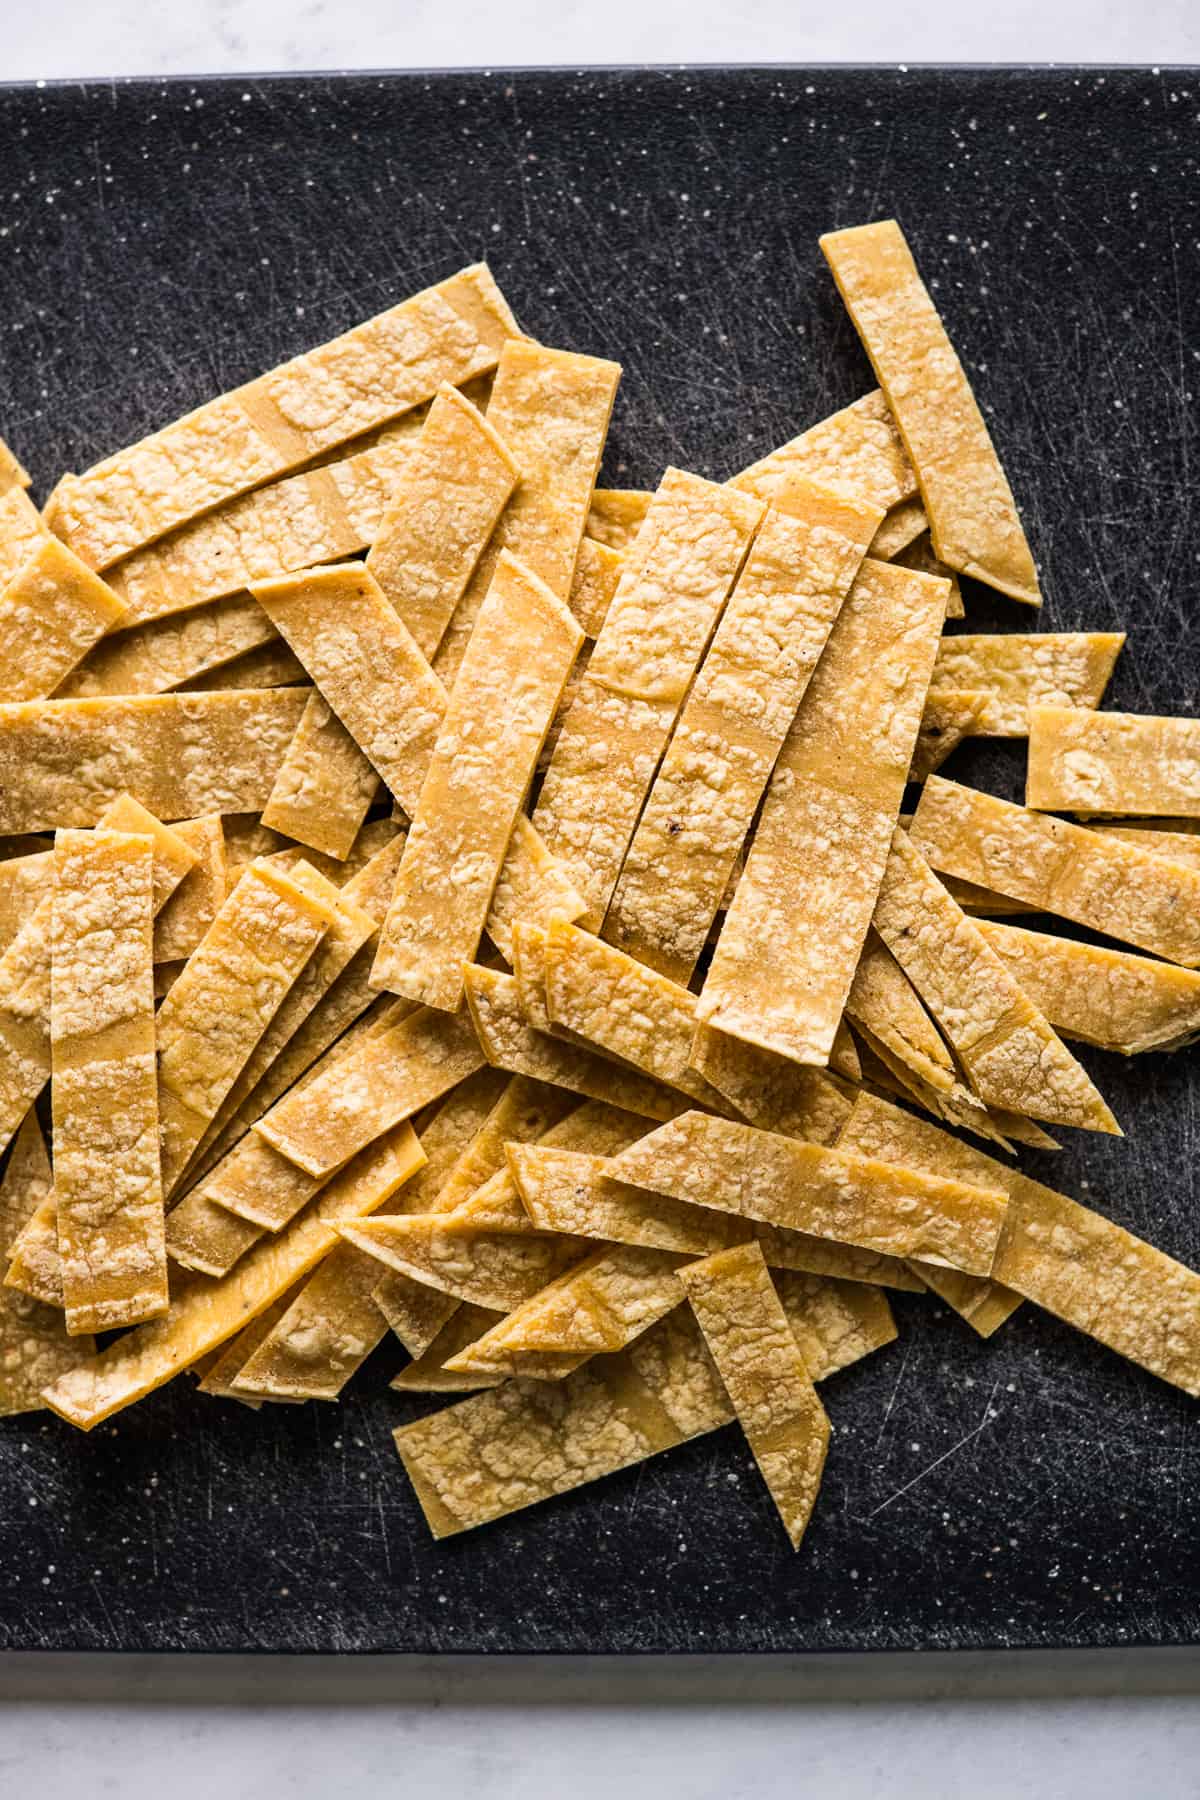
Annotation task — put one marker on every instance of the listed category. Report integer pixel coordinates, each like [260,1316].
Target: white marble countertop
[1104,1726]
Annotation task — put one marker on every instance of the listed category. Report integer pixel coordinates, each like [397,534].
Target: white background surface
[1101,1728]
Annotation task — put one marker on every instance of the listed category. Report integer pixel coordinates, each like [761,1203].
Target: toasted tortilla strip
[271,665]
[522,1112]
[496,1269]
[1097,880]
[221,1366]
[22,530]
[1018,670]
[324,784]
[857,452]
[792,936]
[615,516]
[508,687]
[107,1181]
[34,1347]
[510,1043]
[12,474]
[1088,762]
[428,1374]
[771,1091]
[950,716]
[532,885]
[921,555]
[442,510]
[170,653]
[529,969]
[1006,1045]
[843,1054]
[195,903]
[327,1333]
[51,613]
[883,1001]
[975,899]
[551,409]
[594,1129]
[23,884]
[901,526]
[732,726]
[763,1372]
[314,403]
[203,1314]
[1178,845]
[598,572]
[526,1441]
[972,515]
[670,595]
[806,1187]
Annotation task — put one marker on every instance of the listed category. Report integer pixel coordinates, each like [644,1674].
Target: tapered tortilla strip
[1006,1045]
[921,555]
[763,1372]
[34,1347]
[23,884]
[806,1187]
[615,516]
[551,409]
[220,1366]
[508,1042]
[882,999]
[857,452]
[1095,879]
[442,510]
[1093,762]
[674,585]
[792,936]
[195,903]
[497,1269]
[771,1091]
[902,525]
[22,530]
[1177,845]
[732,727]
[12,473]
[169,653]
[504,698]
[327,1333]
[314,403]
[428,1374]
[523,1111]
[51,613]
[594,585]
[1110,998]
[1018,670]
[972,515]
[616,1411]
[950,715]
[204,1314]
[324,784]
[107,1181]
[532,885]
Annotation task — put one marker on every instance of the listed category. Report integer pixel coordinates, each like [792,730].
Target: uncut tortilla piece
[551,409]
[508,1042]
[950,716]
[312,404]
[34,1347]
[1091,877]
[324,784]
[674,584]
[169,653]
[22,529]
[203,1315]
[972,514]
[615,516]
[456,481]
[1085,762]
[883,1001]
[807,1187]
[51,613]
[763,1372]
[1018,670]
[902,525]
[1011,1055]
[857,452]
[732,726]
[107,1181]
[526,1441]
[1109,998]
[187,914]
[787,952]
[508,687]
[770,1091]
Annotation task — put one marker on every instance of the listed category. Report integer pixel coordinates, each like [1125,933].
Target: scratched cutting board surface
[161,242]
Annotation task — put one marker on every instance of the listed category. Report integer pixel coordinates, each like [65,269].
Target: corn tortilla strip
[195,903]
[23,884]
[527,1441]
[34,1347]
[615,516]
[674,584]
[203,1315]
[763,1372]
[807,1187]
[509,1043]
[222,1365]
[843,1055]
[312,404]
[427,1373]
[496,1205]
[271,665]
[972,515]
[442,510]
[168,653]
[732,727]
[51,613]
[770,1091]
[532,885]
[1018,670]
[529,970]
[792,936]
[882,1000]
[107,1181]
[551,409]
[950,715]
[327,1333]
[22,530]
[1091,762]
[1177,846]
[497,1269]
[1109,998]
[1112,887]
[508,687]
[921,555]
[594,585]
[902,525]
[975,899]
[523,1112]
[12,473]
[857,452]
[324,784]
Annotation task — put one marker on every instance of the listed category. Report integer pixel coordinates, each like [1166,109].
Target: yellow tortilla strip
[532,885]
[51,613]
[950,716]
[806,1187]
[1006,1045]
[23,884]
[327,1333]
[732,726]
[12,473]
[504,698]
[792,936]
[34,1347]
[22,530]
[324,784]
[593,1128]
[529,969]
[763,1372]
[523,1112]
[312,404]
[770,1091]
[455,483]
[220,1366]
[107,1182]
[496,1269]
[204,1314]
[183,755]
[1177,845]
[615,516]
[271,665]
[857,452]
[171,653]
[551,409]
[972,515]
[883,1001]
[921,555]
[427,1373]
[902,525]
[843,1055]
[1092,762]
[1018,670]
[670,595]
[1091,877]
[195,903]
[598,572]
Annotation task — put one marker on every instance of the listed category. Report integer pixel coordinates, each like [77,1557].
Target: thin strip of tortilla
[883,1000]
[187,914]
[770,1091]
[1114,763]
[615,515]
[857,452]
[1018,670]
[496,1269]
[34,1347]
[427,1372]
[921,555]
[325,1335]
[594,585]
[51,613]
[950,716]
[901,526]
[324,784]
[193,647]
[22,529]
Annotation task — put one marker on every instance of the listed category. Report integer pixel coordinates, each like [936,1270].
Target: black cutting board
[160,243]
